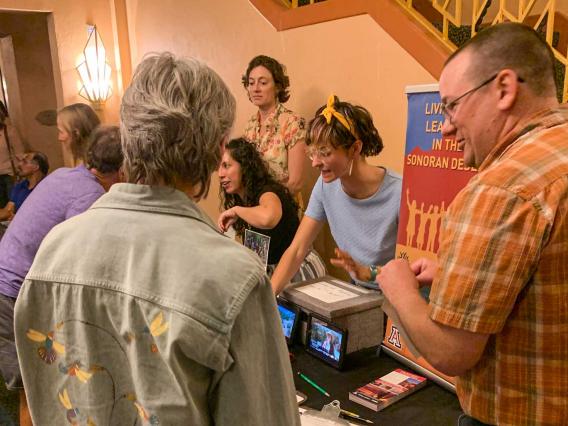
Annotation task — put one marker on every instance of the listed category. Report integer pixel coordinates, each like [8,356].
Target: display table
[432,405]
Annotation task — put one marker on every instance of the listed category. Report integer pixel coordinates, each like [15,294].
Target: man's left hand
[397,279]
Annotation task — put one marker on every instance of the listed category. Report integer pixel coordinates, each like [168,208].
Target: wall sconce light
[95,71]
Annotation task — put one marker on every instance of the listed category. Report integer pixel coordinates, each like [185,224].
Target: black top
[283,233]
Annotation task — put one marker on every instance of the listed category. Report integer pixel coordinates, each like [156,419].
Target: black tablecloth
[431,405]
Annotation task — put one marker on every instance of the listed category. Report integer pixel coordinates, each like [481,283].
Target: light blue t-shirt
[366,229]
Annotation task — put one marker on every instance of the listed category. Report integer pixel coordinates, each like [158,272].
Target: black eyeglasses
[448,109]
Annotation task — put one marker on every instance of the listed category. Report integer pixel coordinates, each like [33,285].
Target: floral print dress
[282,131]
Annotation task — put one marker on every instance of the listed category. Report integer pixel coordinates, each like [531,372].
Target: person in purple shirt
[64,193]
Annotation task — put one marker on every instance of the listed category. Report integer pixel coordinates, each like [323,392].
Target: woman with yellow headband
[359,201]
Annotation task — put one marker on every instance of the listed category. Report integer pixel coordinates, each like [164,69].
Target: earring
[350,167]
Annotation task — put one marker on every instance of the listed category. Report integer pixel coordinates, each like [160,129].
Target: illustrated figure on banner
[421,227]
[411,224]
[433,230]
[433,215]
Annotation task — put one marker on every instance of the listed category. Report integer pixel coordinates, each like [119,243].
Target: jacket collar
[156,199]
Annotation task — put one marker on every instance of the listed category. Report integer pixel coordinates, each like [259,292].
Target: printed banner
[433,174]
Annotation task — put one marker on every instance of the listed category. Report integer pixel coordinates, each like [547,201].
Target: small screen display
[325,340]
[288,317]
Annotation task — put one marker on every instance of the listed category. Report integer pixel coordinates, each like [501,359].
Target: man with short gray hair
[139,311]
[498,311]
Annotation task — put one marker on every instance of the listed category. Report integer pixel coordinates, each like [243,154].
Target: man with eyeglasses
[32,168]
[498,311]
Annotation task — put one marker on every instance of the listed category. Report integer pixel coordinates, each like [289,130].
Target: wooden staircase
[430,30]
[399,24]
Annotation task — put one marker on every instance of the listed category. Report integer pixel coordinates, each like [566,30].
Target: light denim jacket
[139,312]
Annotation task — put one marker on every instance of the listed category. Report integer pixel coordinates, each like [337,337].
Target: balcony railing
[453,22]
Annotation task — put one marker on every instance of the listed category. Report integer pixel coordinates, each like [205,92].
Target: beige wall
[353,57]
[70,19]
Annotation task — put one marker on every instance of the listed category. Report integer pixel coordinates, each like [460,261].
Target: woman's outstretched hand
[355,269]
[226,219]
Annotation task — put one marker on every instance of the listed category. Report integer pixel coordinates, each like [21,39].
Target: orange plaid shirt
[504,271]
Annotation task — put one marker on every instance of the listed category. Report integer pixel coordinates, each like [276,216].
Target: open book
[386,390]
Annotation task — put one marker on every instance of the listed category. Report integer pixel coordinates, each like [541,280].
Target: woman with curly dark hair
[254,200]
[277,133]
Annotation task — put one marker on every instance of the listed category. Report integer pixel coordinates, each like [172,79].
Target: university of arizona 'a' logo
[394,338]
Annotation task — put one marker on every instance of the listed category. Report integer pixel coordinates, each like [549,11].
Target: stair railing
[452,16]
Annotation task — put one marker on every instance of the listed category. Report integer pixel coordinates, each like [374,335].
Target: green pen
[307,379]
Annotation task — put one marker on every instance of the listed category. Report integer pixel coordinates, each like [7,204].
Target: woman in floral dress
[278,133]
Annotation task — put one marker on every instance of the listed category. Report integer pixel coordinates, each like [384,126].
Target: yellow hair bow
[329,111]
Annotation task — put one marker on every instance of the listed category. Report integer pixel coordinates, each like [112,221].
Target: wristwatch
[373,271]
